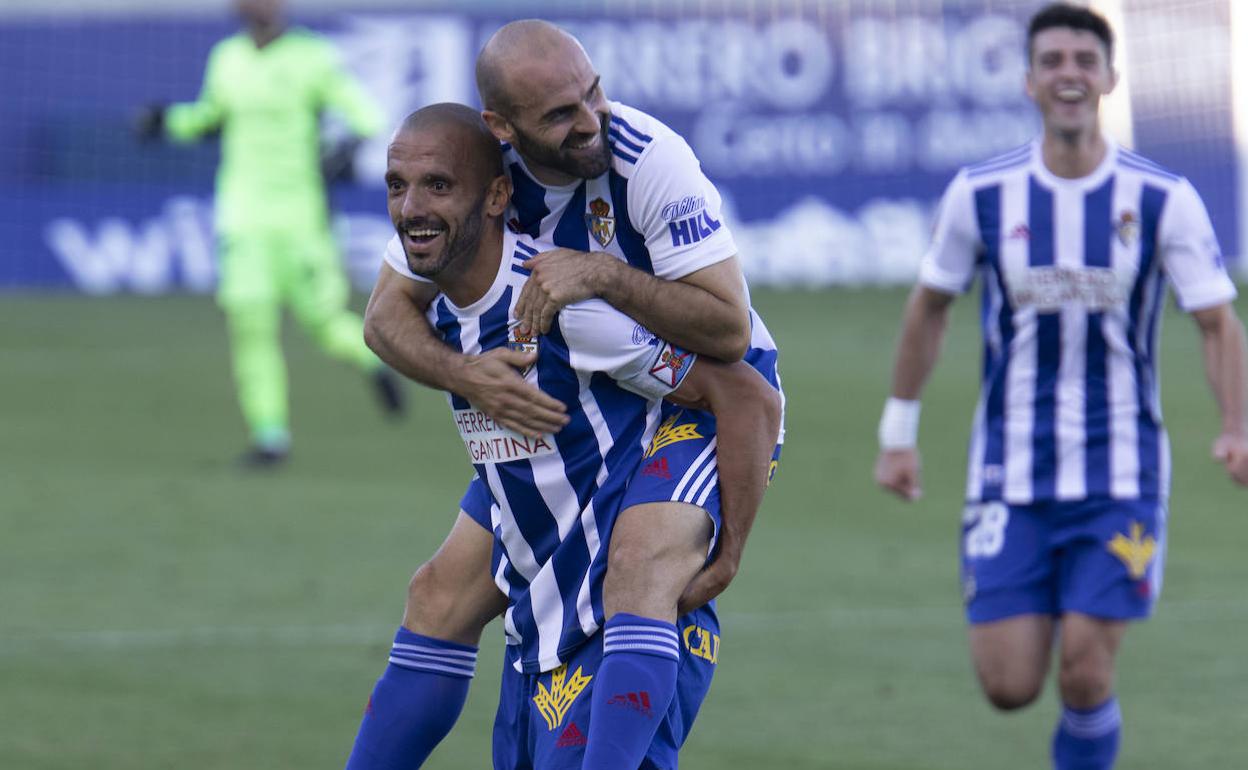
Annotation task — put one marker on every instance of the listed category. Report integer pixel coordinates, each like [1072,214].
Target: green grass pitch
[159,609]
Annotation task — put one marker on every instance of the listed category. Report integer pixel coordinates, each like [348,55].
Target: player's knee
[431,602]
[1009,690]
[1085,681]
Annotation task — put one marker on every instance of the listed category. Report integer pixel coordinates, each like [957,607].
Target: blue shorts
[680,465]
[543,719]
[1099,557]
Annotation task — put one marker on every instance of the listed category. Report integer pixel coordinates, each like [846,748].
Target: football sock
[414,704]
[632,690]
[1087,739]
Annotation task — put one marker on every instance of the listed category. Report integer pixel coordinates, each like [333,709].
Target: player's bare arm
[705,311]
[1226,366]
[747,415]
[398,332]
[897,468]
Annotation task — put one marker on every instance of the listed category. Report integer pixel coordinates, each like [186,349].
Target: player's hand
[897,470]
[708,583]
[560,277]
[149,122]
[1232,452]
[492,382]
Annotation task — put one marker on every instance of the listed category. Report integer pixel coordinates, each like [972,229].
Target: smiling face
[557,114]
[439,196]
[1069,72]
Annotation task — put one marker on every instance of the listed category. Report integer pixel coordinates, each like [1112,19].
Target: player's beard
[565,159]
[460,242]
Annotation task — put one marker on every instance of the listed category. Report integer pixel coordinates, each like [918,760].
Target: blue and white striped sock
[632,690]
[415,703]
[1087,739]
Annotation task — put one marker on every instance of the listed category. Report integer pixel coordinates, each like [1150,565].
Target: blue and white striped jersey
[556,497]
[654,208]
[1074,274]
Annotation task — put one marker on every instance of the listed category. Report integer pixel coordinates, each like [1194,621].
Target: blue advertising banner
[830,132]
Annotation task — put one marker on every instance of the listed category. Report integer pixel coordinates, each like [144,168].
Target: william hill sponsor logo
[692,229]
[683,207]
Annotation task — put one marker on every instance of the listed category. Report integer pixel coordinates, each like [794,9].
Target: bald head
[511,50]
[477,147]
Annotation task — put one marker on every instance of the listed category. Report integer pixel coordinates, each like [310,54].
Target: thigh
[1113,557]
[248,274]
[312,279]
[453,595]
[1007,561]
[655,550]
[1011,657]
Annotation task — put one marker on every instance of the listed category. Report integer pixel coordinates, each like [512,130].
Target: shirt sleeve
[602,339]
[677,210]
[1190,253]
[187,121]
[342,93]
[949,264]
[396,259]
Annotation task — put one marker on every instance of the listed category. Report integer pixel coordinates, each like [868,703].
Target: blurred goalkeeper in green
[264,90]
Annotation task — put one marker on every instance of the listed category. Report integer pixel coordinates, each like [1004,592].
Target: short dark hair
[485,151]
[1071,17]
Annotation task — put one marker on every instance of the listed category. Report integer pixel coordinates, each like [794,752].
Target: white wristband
[899,425]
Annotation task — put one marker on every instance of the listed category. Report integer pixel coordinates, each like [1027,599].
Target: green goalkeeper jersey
[267,103]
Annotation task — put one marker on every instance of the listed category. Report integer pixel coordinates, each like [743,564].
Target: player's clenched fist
[1232,451]
[897,470]
[492,382]
[560,277]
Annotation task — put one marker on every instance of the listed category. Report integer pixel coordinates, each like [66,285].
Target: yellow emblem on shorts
[1135,551]
[555,702]
[671,433]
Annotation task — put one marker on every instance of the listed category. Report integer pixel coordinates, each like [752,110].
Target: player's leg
[656,549]
[560,704]
[248,296]
[1111,567]
[416,701]
[659,542]
[1011,658]
[1009,585]
[1087,734]
[314,284]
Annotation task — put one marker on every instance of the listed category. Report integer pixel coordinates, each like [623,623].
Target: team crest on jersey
[521,343]
[1134,551]
[1128,228]
[671,365]
[553,703]
[601,225]
[670,433]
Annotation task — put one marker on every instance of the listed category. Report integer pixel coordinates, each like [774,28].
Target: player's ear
[500,127]
[497,195]
[1113,80]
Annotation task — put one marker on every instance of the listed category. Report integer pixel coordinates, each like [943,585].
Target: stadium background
[159,610]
